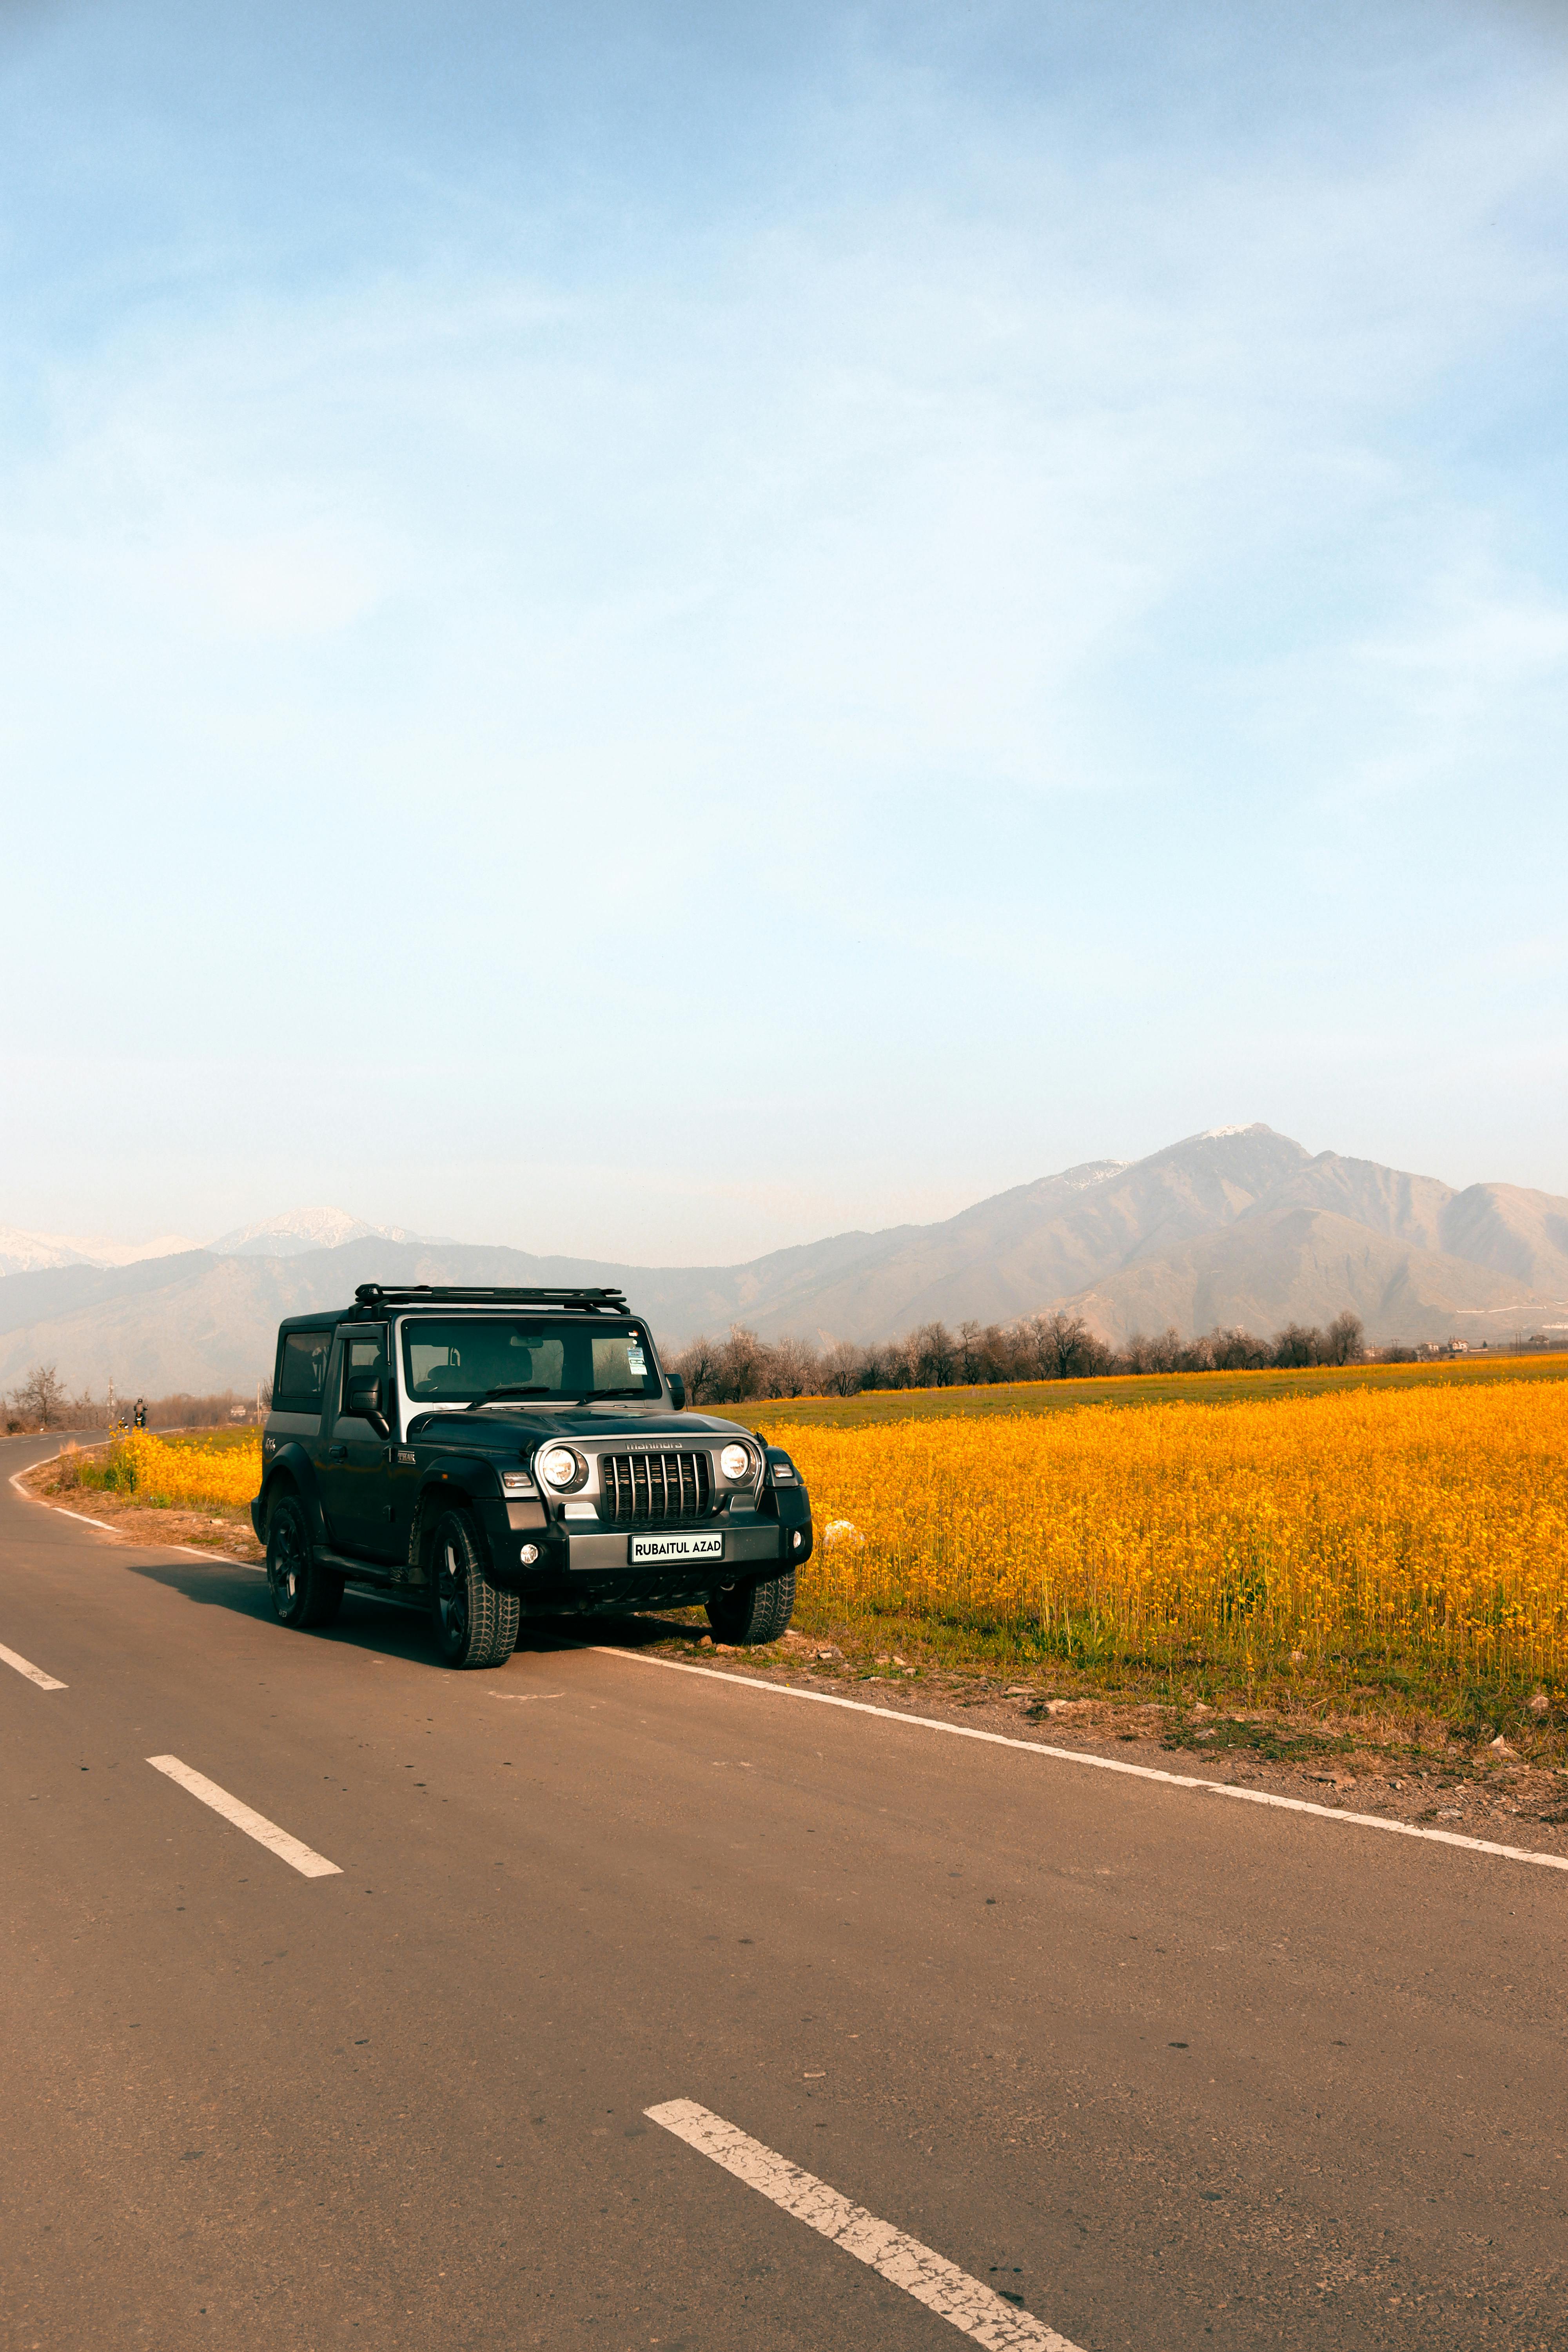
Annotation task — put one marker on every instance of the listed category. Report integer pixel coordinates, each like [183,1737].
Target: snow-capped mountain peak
[22,1252]
[295,1231]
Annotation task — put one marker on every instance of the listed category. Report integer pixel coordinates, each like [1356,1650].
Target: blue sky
[660,631]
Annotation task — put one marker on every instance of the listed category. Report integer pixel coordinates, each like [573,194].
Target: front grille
[661,1487]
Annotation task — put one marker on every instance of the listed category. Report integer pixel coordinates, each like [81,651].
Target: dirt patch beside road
[220,1528]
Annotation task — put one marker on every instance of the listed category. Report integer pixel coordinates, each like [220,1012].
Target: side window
[302,1371]
[364,1358]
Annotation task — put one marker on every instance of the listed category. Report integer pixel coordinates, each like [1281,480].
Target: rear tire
[474,1624]
[303,1595]
[752,1613]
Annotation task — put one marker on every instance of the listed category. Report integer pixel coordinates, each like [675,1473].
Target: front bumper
[586,1565]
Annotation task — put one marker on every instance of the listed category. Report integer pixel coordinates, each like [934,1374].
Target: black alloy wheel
[747,1615]
[302,1594]
[474,1624]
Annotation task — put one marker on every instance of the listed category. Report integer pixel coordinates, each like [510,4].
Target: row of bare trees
[43,1401]
[1056,1347]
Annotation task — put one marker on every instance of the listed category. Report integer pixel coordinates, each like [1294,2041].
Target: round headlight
[735,1462]
[559,1465]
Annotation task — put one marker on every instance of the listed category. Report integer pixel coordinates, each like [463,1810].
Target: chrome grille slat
[629,1489]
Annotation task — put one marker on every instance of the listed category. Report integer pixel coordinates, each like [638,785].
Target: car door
[355,1488]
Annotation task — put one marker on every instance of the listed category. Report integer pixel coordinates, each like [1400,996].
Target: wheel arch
[448,1488]
[291,1472]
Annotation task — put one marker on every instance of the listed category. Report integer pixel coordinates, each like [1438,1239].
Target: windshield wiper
[596,1395]
[490,1394]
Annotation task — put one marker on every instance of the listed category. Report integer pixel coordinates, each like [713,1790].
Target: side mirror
[364,1404]
[676,1391]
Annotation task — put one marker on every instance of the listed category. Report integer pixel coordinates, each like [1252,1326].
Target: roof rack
[373,1295]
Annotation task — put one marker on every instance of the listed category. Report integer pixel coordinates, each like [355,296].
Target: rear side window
[302,1371]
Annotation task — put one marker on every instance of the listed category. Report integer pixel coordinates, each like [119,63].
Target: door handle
[337,1452]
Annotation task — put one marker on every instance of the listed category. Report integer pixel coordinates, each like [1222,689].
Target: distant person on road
[139,1418]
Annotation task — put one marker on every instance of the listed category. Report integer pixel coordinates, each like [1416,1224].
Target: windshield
[463,1359]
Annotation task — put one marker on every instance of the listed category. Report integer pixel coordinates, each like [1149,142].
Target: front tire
[303,1595]
[474,1624]
[749,1615]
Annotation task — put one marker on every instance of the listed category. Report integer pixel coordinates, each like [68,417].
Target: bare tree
[1297,1345]
[790,1369]
[741,1366]
[934,1356]
[1062,1345]
[1143,1354]
[1344,1341]
[841,1370]
[698,1365]
[1237,1351]
[42,1395]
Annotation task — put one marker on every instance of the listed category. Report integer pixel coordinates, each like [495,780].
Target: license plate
[696,1547]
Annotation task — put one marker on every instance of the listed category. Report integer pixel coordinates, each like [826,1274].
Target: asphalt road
[1169,2072]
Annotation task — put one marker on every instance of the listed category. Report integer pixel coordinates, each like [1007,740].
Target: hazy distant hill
[1240,1226]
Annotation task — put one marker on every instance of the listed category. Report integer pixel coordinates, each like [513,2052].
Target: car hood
[605,1426]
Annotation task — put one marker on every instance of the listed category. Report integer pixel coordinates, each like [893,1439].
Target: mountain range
[288,1235]
[1238,1225]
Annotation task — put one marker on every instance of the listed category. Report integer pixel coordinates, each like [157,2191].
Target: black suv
[497,1451]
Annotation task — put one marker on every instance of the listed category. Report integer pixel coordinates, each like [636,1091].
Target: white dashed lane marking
[298,1856]
[974,2308]
[34,1674]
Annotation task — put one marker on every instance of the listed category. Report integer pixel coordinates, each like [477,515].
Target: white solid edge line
[58,1508]
[34,1674]
[1098,1763]
[974,2309]
[300,1857]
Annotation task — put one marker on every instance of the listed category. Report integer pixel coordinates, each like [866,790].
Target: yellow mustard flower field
[1423,1529]
[183,1474]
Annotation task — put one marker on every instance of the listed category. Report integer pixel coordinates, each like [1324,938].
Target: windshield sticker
[635,1361]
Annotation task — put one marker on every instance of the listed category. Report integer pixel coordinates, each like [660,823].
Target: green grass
[1277,1742]
[225,1439]
[1129,1389]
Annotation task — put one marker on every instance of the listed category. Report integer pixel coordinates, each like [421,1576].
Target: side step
[360,1572]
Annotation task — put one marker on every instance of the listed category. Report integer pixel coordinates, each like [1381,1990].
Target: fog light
[530,1553]
[797,1539]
